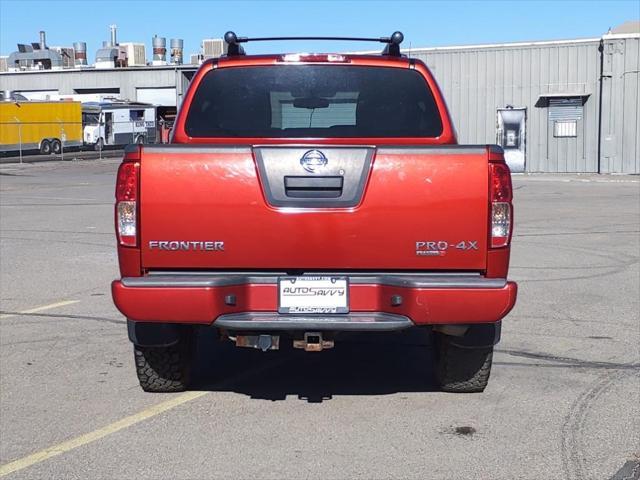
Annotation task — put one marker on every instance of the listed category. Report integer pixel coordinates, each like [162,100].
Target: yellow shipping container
[44,126]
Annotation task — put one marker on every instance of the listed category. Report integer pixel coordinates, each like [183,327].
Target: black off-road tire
[461,370]
[165,369]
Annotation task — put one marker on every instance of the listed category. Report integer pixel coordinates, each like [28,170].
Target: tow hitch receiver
[262,342]
[313,342]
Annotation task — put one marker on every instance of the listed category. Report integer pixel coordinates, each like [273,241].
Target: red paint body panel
[408,198]
[423,306]
[129,261]
[498,262]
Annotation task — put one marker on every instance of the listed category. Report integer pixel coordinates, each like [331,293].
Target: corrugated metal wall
[477,81]
[127,80]
[621,105]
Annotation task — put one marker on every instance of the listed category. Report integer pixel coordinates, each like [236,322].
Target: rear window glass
[296,101]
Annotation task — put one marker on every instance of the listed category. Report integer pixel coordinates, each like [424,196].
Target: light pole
[19,136]
[63,138]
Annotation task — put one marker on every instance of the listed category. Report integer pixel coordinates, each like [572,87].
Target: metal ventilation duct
[80,53]
[159,50]
[39,58]
[177,49]
[114,39]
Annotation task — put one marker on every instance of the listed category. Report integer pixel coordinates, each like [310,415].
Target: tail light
[127,188]
[501,196]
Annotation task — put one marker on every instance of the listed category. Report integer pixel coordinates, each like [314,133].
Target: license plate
[313,295]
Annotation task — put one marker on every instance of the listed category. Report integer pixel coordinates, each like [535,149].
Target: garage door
[165,97]
[38,94]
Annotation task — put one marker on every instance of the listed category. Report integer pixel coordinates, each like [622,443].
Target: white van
[118,123]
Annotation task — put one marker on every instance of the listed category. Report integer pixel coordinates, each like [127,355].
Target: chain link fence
[55,137]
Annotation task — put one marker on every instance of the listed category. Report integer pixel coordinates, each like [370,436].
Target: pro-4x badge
[439,248]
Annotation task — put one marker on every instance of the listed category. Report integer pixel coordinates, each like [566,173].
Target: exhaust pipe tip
[261,342]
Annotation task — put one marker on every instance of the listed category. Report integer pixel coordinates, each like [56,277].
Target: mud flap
[480,335]
[148,334]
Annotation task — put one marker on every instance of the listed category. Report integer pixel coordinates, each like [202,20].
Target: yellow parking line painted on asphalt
[40,309]
[97,434]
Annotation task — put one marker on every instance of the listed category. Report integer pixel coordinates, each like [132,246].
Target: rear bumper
[226,300]
[354,322]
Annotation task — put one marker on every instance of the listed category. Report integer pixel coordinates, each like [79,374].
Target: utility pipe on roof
[114,40]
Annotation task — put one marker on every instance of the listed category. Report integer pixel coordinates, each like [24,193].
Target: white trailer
[118,123]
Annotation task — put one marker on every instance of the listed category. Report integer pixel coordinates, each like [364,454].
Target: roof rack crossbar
[392,48]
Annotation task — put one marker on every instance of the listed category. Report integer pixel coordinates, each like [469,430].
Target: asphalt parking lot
[563,401]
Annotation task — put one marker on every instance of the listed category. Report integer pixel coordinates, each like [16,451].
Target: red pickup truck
[308,195]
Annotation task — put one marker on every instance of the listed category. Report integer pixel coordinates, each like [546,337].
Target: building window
[565,128]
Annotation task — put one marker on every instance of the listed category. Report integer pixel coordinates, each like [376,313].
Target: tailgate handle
[313,187]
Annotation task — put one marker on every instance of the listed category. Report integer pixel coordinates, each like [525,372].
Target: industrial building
[555,106]
[120,71]
[162,86]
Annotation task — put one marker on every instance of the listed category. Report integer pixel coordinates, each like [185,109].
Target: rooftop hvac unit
[4,66]
[67,54]
[195,59]
[136,54]
[106,57]
[213,47]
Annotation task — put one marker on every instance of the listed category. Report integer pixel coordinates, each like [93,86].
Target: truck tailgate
[240,208]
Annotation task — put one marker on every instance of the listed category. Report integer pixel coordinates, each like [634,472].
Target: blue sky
[424,23]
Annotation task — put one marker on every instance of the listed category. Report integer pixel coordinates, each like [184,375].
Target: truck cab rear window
[298,101]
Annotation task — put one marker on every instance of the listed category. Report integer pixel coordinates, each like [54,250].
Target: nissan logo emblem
[313,160]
